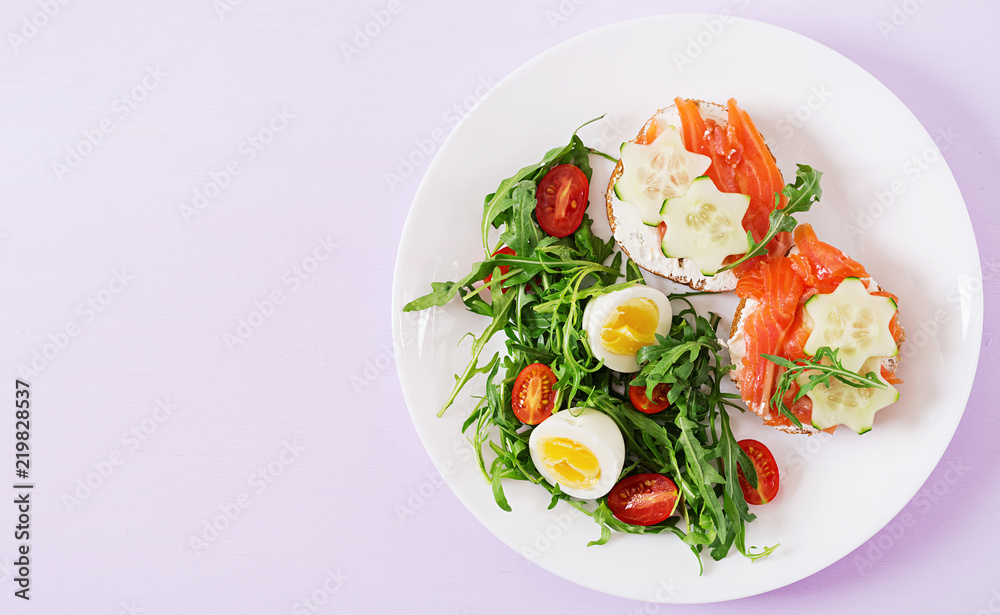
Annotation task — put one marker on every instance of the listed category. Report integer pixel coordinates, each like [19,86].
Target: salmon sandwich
[691,190]
[815,340]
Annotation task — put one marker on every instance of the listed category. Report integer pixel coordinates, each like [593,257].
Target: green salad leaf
[819,368]
[801,195]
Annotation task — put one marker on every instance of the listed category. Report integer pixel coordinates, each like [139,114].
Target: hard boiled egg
[581,450]
[619,323]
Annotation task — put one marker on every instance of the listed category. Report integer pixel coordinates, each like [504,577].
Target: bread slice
[641,242]
[737,351]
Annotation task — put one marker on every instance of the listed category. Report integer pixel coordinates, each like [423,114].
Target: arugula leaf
[734,456]
[443,292]
[523,234]
[498,493]
[632,272]
[604,155]
[502,304]
[801,196]
[578,155]
[819,368]
[703,473]
[494,207]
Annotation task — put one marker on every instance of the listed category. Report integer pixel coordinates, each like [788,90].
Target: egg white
[600,307]
[592,429]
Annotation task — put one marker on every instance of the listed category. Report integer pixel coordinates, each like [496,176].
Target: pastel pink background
[296,425]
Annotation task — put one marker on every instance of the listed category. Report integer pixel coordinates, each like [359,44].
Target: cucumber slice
[842,404]
[655,172]
[852,321]
[705,225]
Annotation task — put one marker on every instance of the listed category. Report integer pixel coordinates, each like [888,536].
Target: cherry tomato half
[642,403]
[533,397]
[767,473]
[504,269]
[562,200]
[643,499]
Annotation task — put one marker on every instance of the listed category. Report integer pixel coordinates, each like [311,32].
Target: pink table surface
[293,427]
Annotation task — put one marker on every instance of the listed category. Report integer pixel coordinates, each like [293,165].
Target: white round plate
[889,201]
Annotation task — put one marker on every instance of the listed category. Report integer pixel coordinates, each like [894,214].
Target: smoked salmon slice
[741,162]
[777,288]
[823,266]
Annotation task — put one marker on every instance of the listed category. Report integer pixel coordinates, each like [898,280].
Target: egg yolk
[571,463]
[631,326]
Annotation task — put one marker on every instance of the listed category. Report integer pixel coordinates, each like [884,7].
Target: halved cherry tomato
[532,397]
[643,499]
[767,473]
[562,200]
[504,269]
[642,403]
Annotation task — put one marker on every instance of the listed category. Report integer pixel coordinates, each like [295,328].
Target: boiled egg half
[621,322]
[579,449]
